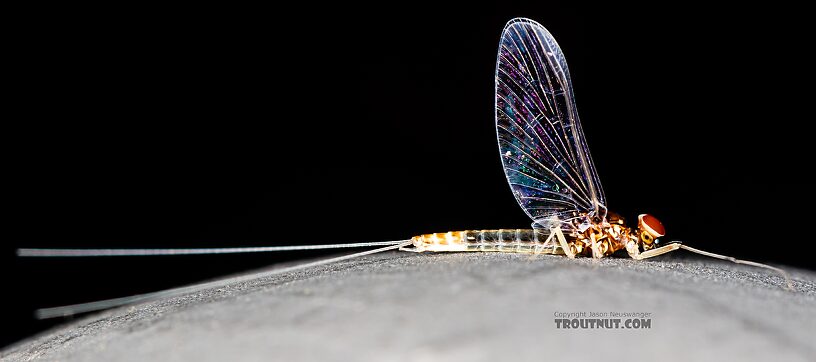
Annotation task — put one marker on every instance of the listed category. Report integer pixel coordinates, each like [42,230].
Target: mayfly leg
[565,246]
[677,245]
[657,251]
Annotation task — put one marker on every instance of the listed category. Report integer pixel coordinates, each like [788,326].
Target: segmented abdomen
[501,240]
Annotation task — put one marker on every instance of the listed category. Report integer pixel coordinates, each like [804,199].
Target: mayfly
[547,164]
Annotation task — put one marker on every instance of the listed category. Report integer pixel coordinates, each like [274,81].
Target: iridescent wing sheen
[542,145]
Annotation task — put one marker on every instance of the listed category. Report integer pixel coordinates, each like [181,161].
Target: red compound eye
[651,225]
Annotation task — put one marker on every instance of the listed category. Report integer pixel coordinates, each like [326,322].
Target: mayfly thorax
[548,167]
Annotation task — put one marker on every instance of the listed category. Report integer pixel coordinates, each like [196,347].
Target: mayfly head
[648,230]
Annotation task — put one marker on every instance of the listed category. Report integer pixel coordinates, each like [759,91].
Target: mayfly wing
[542,145]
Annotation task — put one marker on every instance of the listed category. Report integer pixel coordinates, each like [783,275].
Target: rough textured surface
[467,306]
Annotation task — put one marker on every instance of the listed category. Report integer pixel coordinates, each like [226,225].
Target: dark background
[206,127]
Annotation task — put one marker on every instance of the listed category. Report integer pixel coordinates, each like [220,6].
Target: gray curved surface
[458,307]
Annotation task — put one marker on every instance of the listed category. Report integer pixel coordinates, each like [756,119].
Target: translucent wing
[543,150]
